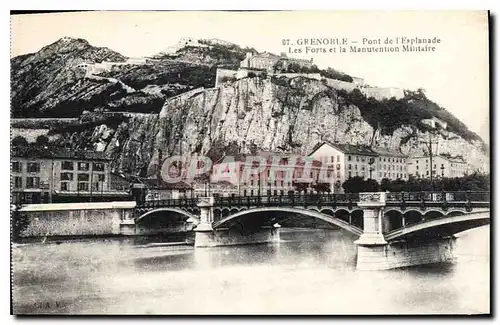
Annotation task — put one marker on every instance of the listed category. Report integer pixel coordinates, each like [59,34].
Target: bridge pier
[230,237]
[404,253]
[206,236]
[375,253]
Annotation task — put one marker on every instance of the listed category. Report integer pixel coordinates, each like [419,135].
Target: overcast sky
[455,75]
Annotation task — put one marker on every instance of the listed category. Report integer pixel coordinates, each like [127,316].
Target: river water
[308,272]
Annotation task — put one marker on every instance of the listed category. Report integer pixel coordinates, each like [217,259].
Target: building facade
[442,166]
[279,175]
[41,177]
[354,160]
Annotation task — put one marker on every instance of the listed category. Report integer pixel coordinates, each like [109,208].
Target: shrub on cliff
[391,114]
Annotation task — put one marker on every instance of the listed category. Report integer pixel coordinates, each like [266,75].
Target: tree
[354,185]
[385,185]
[42,141]
[371,185]
[19,141]
[321,187]
[301,187]
[19,222]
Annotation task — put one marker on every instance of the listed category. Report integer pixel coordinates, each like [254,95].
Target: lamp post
[434,126]
[371,161]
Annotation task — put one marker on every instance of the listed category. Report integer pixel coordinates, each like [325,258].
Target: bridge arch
[311,213]
[329,212]
[455,213]
[445,226]
[433,213]
[174,210]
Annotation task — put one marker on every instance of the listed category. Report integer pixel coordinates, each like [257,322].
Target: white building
[442,166]
[363,161]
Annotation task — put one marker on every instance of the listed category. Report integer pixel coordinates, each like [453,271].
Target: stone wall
[381,93]
[315,76]
[339,84]
[224,73]
[77,219]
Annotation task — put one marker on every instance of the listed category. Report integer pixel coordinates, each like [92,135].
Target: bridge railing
[324,199]
[288,200]
[182,202]
[438,196]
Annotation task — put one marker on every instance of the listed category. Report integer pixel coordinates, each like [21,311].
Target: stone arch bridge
[416,222]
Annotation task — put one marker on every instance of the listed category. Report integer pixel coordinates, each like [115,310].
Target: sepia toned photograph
[250,163]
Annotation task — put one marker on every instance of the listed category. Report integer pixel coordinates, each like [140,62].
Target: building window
[66,176]
[362,159]
[32,182]
[83,177]
[83,186]
[332,158]
[33,167]
[101,177]
[350,174]
[380,174]
[348,158]
[17,166]
[99,166]
[67,165]
[349,167]
[65,186]
[83,166]
[18,182]
[357,159]
[338,166]
[338,158]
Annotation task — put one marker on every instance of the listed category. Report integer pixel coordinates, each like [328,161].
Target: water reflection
[307,272]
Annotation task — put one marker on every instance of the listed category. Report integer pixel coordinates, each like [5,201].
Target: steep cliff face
[167,105]
[259,113]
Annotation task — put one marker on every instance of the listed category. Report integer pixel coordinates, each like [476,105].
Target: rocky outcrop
[255,112]
[169,105]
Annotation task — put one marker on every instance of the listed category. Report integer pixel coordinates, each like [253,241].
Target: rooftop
[51,153]
[359,149]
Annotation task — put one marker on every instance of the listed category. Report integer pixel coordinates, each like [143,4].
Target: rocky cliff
[258,113]
[170,105]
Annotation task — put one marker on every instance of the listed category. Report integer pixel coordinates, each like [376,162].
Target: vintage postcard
[250,163]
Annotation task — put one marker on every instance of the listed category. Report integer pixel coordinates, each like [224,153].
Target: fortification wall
[316,76]
[224,73]
[381,93]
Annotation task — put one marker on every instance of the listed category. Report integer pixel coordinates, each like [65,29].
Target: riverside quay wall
[79,219]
